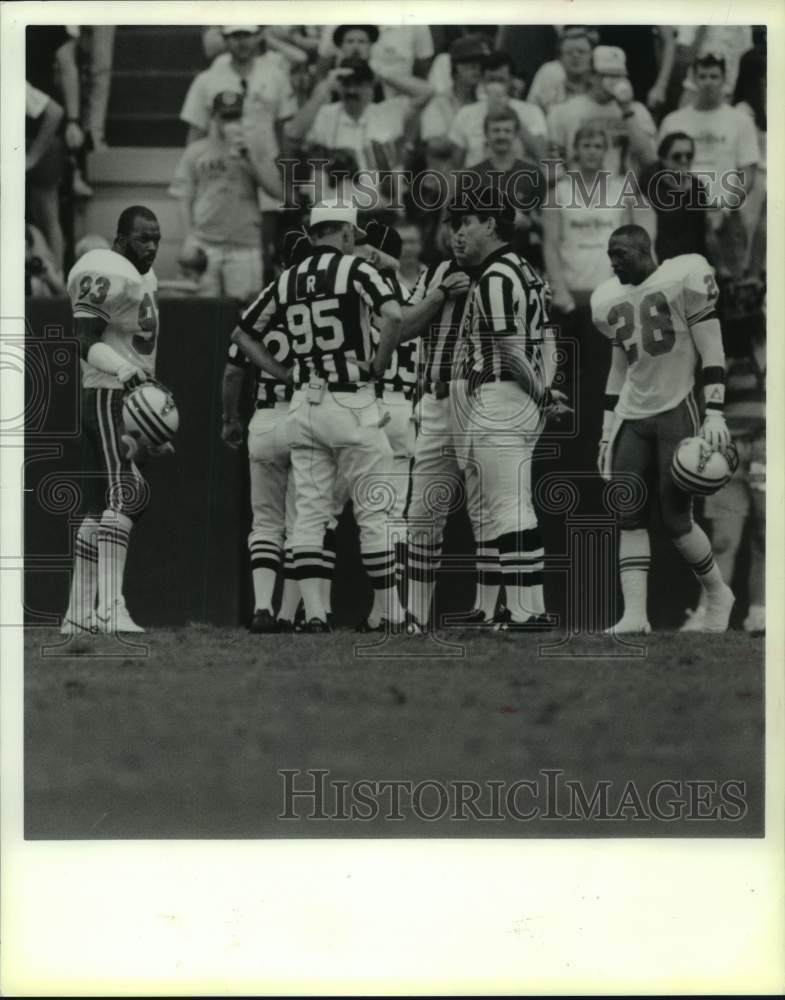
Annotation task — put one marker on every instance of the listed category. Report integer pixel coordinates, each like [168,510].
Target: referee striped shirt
[504,320]
[441,338]
[324,304]
[269,390]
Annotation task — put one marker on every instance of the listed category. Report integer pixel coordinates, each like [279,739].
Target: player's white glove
[232,433]
[131,375]
[602,457]
[715,431]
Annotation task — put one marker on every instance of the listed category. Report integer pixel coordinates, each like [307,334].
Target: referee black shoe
[394,628]
[537,623]
[262,622]
[315,626]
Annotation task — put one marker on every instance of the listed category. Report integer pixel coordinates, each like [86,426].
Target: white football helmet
[150,414]
[698,469]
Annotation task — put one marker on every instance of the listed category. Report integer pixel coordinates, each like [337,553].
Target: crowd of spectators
[399,116]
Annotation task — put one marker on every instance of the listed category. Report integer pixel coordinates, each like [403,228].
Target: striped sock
[265,566]
[328,567]
[309,567]
[634,562]
[489,578]
[112,543]
[424,561]
[522,555]
[696,549]
[380,567]
[290,596]
[84,582]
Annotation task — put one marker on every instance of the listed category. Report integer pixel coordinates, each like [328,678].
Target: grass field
[183,736]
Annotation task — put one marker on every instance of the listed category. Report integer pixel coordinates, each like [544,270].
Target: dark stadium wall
[188,558]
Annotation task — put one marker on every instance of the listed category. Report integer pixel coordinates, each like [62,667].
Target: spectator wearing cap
[217,183]
[693,41]
[394,52]
[726,147]
[608,104]
[466,57]
[557,80]
[467,133]
[373,132]
[651,50]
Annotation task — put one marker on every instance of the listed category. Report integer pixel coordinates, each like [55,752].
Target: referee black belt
[268,404]
[441,390]
[340,386]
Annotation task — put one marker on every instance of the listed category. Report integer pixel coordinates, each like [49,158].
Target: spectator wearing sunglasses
[678,200]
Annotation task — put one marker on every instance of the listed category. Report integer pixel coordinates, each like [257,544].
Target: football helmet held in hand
[697,468]
[150,414]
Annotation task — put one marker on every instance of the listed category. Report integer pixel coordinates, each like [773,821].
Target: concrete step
[132,165]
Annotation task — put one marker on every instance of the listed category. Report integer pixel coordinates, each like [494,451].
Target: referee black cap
[295,247]
[384,238]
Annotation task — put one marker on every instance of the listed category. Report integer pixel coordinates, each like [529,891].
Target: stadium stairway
[152,69]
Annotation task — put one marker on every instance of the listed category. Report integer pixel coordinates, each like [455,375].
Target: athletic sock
[634,562]
[424,560]
[695,547]
[328,567]
[521,554]
[290,595]
[380,567]
[112,543]
[489,577]
[84,582]
[265,566]
[308,567]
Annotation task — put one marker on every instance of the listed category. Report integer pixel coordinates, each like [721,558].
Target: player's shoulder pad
[610,289]
[685,264]
[107,262]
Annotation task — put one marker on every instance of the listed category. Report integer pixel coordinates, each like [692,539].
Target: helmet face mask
[150,415]
[696,468]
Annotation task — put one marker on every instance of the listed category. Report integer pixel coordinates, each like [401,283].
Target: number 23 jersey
[106,285]
[651,322]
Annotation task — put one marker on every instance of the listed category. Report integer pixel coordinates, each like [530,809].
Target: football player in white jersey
[662,321]
[114,299]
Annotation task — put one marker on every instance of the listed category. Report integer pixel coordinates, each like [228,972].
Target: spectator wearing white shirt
[726,146]
[268,100]
[466,57]
[467,133]
[609,105]
[374,133]
[730,41]
[568,75]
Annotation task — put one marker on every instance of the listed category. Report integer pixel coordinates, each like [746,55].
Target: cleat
[413,627]
[315,626]
[718,609]
[535,623]
[631,626]
[82,626]
[696,619]
[116,619]
[471,619]
[386,626]
[755,622]
[283,625]
[262,622]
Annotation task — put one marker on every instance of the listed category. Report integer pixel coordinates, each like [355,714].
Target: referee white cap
[335,211]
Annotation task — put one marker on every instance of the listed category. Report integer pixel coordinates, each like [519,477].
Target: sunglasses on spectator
[682,157]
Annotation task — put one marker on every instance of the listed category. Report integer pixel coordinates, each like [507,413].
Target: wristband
[714,387]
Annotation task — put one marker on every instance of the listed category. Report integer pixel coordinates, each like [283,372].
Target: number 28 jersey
[651,322]
[106,285]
